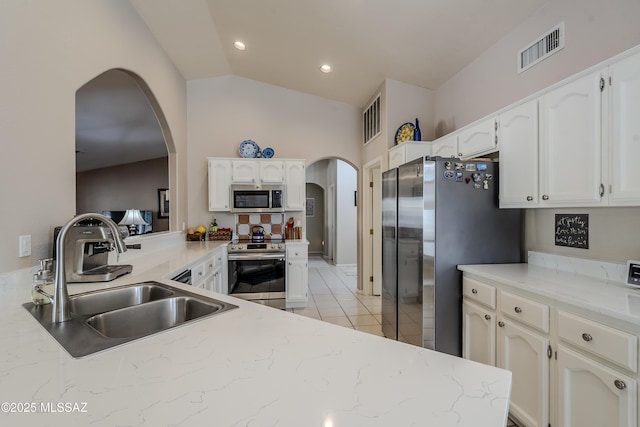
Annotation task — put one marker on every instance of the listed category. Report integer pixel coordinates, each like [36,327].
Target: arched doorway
[315,219]
[339,182]
[122,159]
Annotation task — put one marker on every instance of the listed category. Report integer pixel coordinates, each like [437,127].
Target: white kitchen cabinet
[219,181]
[478,321]
[215,281]
[446,146]
[569,369]
[257,171]
[624,132]
[516,347]
[525,354]
[590,394]
[210,272]
[226,171]
[518,136]
[295,189]
[198,274]
[407,151]
[297,275]
[271,171]
[478,333]
[245,171]
[216,271]
[478,139]
[571,144]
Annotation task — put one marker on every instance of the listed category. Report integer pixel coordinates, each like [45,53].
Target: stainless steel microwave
[257,198]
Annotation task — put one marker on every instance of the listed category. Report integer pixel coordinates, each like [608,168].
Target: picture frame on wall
[163,203]
[310,206]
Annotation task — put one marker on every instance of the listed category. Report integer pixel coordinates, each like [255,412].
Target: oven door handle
[256,257]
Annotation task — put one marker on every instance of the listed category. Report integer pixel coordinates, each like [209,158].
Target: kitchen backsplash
[585,267]
[273,225]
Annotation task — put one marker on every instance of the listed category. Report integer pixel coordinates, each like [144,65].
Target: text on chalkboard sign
[572,230]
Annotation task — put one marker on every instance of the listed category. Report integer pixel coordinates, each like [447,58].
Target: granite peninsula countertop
[254,365]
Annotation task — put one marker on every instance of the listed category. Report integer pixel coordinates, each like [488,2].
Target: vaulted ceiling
[420,42]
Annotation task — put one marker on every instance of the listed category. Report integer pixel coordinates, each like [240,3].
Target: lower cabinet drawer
[479,292]
[528,312]
[611,344]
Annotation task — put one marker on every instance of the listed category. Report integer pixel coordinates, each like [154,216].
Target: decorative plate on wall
[405,133]
[248,148]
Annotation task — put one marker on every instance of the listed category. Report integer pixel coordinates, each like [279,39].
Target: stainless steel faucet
[60,300]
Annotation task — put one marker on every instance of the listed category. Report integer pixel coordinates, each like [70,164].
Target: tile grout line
[339,277]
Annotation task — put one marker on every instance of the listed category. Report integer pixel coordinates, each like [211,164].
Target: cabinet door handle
[474,291]
[501,324]
[487,317]
[517,309]
[545,197]
[289,262]
[529,198]
[587,337]
[620,385]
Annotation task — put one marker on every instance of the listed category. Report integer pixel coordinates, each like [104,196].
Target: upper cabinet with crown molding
[575,145]
[223,172]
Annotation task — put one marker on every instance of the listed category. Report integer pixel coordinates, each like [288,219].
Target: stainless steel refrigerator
[436,214]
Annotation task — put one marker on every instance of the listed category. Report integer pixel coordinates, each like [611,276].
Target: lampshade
[132,217]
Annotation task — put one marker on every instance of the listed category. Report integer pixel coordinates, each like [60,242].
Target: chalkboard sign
[572,230]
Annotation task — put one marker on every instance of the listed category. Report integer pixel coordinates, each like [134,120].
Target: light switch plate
[25,246]
[633,273]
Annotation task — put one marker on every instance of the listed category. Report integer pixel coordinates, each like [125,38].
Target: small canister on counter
[43,280]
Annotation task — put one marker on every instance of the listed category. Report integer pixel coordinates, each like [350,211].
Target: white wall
[224,111]
[346,215]
[48,50]
[595,31]
[129,186]
[400,103]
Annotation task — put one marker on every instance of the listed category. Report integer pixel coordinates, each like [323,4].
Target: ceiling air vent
[542,48]
[371,120]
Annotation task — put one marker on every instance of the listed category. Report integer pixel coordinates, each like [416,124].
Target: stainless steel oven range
[257,272]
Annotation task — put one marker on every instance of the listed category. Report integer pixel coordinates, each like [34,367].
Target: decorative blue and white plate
[268,152]
[248,148]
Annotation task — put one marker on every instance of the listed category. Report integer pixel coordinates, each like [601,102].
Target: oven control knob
[280,245]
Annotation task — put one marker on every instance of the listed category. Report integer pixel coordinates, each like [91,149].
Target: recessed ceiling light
[326,68]
[239,45]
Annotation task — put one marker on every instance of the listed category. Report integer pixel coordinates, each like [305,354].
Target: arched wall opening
[125,154]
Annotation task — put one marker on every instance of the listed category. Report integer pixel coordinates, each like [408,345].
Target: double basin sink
[106,318]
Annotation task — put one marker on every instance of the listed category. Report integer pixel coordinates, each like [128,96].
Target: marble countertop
[605,295]
[254,365]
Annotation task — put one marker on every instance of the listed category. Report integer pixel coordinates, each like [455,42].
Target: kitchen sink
[107,318]
[112,299]
[149,318]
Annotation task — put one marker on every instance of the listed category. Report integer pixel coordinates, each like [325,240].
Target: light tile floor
[333,298]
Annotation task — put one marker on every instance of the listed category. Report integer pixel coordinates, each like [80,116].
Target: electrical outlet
[24,243]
